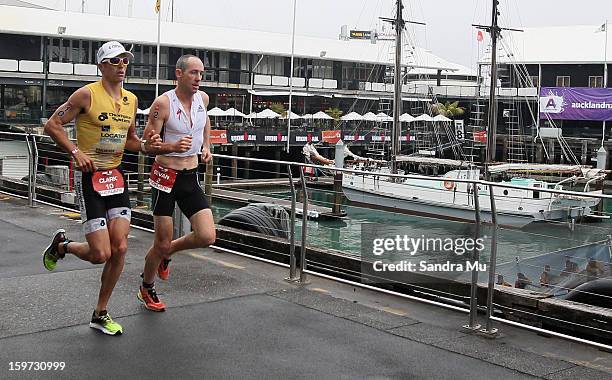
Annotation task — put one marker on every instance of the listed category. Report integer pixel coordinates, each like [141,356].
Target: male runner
[180,116]
[105,124]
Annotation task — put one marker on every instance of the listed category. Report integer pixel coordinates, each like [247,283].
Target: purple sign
[576,103]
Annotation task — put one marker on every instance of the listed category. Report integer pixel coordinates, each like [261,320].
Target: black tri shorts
[186,192]
[97,210]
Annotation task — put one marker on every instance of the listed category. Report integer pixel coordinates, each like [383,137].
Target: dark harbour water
[346,234]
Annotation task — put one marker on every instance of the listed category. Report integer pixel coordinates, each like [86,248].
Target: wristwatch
[74,151]
[142,146]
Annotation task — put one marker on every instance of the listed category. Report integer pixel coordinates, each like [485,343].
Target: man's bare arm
[206,153]
[157,117]
[133,142]
[78,102]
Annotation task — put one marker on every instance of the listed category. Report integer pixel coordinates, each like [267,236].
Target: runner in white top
[180,117]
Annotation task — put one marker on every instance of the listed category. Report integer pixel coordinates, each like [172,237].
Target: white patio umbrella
[351,117]
[322,116]
[293,116]
[441,118]
[307,116]
[233,112]
[383,117]
[143,112]
[252,115]
[267,114]
[216,112]
[423,117]
[370,116]
[406,118]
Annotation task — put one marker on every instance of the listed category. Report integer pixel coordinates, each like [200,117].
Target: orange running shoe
[148,296]
[163,270]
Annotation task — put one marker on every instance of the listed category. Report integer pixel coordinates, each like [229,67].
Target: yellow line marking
[5,198]
[319,290]
[72,214]
[224,263]
[394,311]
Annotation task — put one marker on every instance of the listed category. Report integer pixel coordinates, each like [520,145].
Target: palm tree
[334,112]
[448,109]
[279,108]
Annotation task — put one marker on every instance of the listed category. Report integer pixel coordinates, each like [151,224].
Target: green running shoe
[105,323]
[50,254]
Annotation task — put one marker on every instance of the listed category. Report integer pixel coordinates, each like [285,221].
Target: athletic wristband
[142,146]
[74,151]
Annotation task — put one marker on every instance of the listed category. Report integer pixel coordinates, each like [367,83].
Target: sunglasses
[116,60]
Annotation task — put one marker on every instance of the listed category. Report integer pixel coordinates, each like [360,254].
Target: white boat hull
[446,199]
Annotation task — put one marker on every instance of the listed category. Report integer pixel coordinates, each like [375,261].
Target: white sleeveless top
[178,124]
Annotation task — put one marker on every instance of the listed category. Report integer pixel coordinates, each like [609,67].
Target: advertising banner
[330,136]
[218,136]
[576,103]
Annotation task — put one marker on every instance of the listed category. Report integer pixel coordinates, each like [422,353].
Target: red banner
[218,136]
[480,136]
[330,136]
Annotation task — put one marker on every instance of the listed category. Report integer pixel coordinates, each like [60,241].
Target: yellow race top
[102,132]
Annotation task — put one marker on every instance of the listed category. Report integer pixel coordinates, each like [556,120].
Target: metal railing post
[304,229]
[30,164]
[489,330]
[34,169]
[292,261]
[472,325]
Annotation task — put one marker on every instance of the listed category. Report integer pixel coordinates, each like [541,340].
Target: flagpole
[158,43]
[291,77]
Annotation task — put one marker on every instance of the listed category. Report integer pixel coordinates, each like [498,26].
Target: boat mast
[494,30]
[397,100]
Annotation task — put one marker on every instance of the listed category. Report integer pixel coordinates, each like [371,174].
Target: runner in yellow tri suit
[105,123]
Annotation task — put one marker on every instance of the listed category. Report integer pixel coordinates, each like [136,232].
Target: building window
[534,81]
[563,81]
[596,81]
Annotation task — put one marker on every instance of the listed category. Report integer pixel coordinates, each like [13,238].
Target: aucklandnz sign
[576,103]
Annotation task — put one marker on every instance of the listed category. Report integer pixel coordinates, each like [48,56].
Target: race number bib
[108,182]
[162,178]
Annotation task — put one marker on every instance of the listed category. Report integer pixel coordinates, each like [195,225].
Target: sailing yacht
[446,198]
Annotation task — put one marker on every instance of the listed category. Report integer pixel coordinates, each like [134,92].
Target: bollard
[339,162]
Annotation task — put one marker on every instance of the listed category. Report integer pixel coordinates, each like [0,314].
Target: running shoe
[148,296]
[51,254]
[105,323]
[163,270]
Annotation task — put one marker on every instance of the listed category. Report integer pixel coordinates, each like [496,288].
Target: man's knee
[162,247]
[205,238]
[119,250]
[99,256]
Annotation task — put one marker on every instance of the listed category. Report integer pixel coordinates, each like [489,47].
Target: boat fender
[265,218]
[449,185]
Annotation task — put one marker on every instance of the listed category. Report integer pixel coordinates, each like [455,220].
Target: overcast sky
[448,32]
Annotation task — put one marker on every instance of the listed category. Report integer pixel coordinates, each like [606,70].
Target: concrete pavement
[233,317]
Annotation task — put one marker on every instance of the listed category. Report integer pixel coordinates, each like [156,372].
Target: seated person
[570,267]
[545,277]
[594,269]
[522,281]
[501,281]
